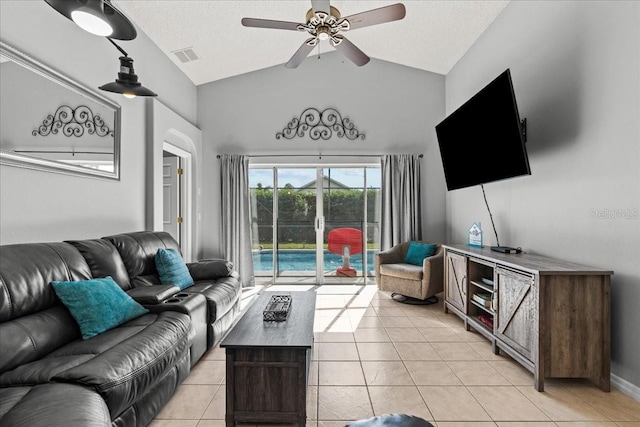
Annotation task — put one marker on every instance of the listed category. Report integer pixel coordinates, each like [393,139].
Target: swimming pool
[305,260]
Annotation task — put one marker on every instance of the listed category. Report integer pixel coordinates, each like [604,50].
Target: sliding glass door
[320,223]
[295,223]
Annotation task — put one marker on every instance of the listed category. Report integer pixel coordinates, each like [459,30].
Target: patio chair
[413,283]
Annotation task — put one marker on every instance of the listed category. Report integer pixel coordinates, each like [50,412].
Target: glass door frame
[319,223]
[320,275]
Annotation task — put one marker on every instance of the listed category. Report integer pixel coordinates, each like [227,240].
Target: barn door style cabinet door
[455,282]
[551,316]
[517,311]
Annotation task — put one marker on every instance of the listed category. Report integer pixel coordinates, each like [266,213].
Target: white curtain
[401,212]
[236,220]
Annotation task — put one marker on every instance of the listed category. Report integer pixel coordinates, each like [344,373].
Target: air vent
[186,55]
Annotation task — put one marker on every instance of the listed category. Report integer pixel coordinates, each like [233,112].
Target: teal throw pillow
[97,305]
[172,269]
[417,252]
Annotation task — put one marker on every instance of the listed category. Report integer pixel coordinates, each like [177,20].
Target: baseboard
[626,387]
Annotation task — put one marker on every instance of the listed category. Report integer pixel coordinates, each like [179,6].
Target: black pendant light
[98,17]
[127,82]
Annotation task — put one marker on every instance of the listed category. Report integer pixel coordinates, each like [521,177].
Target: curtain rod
[318,155]
[61,152]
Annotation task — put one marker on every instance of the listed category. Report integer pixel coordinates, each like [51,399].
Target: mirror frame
[10,158]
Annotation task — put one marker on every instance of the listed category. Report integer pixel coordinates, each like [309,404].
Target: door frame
[174,206]
[320,167]
[165,125]
[186,185]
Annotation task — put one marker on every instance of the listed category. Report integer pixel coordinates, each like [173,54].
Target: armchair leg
[415,301]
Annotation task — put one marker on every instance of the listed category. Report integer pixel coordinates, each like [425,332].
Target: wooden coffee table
[268,363]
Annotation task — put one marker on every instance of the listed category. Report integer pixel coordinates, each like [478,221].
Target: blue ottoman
[392,420]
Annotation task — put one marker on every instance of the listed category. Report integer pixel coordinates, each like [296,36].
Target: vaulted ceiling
[433,36]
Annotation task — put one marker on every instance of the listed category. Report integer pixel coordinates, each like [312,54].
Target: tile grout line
[407,369]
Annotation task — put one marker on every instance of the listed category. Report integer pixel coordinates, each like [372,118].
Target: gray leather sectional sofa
[50,376]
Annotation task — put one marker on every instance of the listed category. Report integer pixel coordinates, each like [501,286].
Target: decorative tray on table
[277,308]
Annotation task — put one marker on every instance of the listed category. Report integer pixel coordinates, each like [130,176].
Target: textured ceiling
[433,36]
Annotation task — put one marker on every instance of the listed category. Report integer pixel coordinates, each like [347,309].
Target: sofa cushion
[52,405]
[403,271]
[26,271]
[34,336]
[97,305]
[138,250]
[417,252]
[210,269]
[145,409]
[221,294]
[147,280]
[32,321]
[172,269]
[103,259]
[121,364]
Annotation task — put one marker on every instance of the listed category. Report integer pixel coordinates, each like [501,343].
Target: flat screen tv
[482,141]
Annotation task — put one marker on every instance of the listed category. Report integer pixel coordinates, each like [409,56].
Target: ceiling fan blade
[376,16]
[320,6]
[352,52]
[299,56]
[268,23]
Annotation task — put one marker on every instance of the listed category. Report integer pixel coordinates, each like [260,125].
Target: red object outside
[337,240]
[346,272]
[341,237]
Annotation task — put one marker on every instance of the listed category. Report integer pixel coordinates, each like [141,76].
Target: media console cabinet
[551,316]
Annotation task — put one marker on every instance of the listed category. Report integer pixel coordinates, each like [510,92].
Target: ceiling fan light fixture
[323,32]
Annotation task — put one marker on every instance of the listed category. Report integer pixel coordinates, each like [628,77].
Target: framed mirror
[52,123]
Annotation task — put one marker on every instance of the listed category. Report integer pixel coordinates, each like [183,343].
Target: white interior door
[171,174]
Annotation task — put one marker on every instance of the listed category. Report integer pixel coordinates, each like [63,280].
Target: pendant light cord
[490,216]
[117,47]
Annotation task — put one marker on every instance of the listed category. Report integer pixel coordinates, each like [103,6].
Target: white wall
[395,106]
[43,206]
[576,73]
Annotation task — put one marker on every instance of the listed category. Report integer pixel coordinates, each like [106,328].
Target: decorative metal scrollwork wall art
[320,124]
[73,122]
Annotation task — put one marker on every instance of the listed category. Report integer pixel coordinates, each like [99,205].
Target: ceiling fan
[323,22]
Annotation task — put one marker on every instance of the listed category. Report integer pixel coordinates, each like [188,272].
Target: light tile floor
[374,356]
